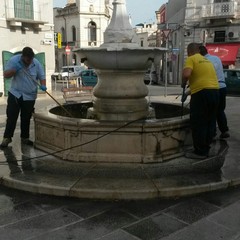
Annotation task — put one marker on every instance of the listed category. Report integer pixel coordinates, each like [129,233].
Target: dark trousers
[203,111]
[14,107]
[221,117]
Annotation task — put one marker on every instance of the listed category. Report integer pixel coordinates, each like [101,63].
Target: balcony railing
[220,10]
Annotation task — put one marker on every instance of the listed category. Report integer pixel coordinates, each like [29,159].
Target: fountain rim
[121,49]
[152,121]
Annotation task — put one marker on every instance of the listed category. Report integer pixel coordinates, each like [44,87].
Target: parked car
[55,76]
[68,72]
[232,79]
[88,77]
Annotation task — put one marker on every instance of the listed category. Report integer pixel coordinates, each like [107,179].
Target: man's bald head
[192,48]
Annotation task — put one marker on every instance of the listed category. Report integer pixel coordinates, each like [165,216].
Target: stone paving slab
[155,227]
[202,231]
[103,224]
[38,225]
[228,217]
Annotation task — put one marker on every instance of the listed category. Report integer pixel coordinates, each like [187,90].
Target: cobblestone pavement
[209,216]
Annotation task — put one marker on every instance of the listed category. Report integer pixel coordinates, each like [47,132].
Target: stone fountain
[120,110]
[120,145]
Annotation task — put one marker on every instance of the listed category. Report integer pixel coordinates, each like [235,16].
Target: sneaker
[193,155]
[225,135]
[5,142]
[26,141]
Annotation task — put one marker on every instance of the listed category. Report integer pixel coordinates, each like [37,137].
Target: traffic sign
[175,49]
[67,50]
[166,32]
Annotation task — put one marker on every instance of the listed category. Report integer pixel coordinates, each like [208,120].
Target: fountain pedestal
[120,64]
[120,92]
[128,103]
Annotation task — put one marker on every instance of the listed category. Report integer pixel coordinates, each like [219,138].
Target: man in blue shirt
[221,116]
[25,71]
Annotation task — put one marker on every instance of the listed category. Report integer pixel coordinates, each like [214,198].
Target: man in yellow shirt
[203,84]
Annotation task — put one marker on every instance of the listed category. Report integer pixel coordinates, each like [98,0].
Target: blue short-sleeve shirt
[22,82]
[216,61]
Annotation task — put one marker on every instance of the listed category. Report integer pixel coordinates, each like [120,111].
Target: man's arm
[43,82]
[9,73]
[12,68]
[185,76]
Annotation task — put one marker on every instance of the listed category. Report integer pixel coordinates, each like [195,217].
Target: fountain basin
[88,140]
[120,58]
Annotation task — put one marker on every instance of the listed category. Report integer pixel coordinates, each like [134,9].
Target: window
[92,34]
[86,73]
[74,37]
[222,6]
[63,34]
[74,61]
[219,36]
[225,8]
[220,1]
[67,69]
[64,60]
[23,9]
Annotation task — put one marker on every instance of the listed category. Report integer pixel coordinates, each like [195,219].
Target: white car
[70,72]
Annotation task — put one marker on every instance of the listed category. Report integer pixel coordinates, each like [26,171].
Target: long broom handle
[183,92]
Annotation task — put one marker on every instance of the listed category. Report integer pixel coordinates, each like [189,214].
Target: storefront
[229,53]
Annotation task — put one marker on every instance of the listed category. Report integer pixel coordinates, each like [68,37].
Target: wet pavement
[213,215]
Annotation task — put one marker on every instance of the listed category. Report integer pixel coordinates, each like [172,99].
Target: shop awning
[226,52]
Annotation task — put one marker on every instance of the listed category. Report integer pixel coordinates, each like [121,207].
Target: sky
[141,11]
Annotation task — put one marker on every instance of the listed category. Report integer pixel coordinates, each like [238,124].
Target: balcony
[18,16]
[220,10]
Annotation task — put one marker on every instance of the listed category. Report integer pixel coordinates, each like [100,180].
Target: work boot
[5,142]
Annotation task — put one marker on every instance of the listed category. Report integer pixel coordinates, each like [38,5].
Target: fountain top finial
[119,33]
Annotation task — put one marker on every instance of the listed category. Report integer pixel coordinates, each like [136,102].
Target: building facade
[170,31]
[81,23]
[147,34]
[214,23]
[25,23]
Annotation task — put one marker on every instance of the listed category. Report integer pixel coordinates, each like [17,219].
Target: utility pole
[166,33]
[67,53]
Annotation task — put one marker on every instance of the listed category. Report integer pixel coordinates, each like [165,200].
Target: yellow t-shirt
[203,73]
